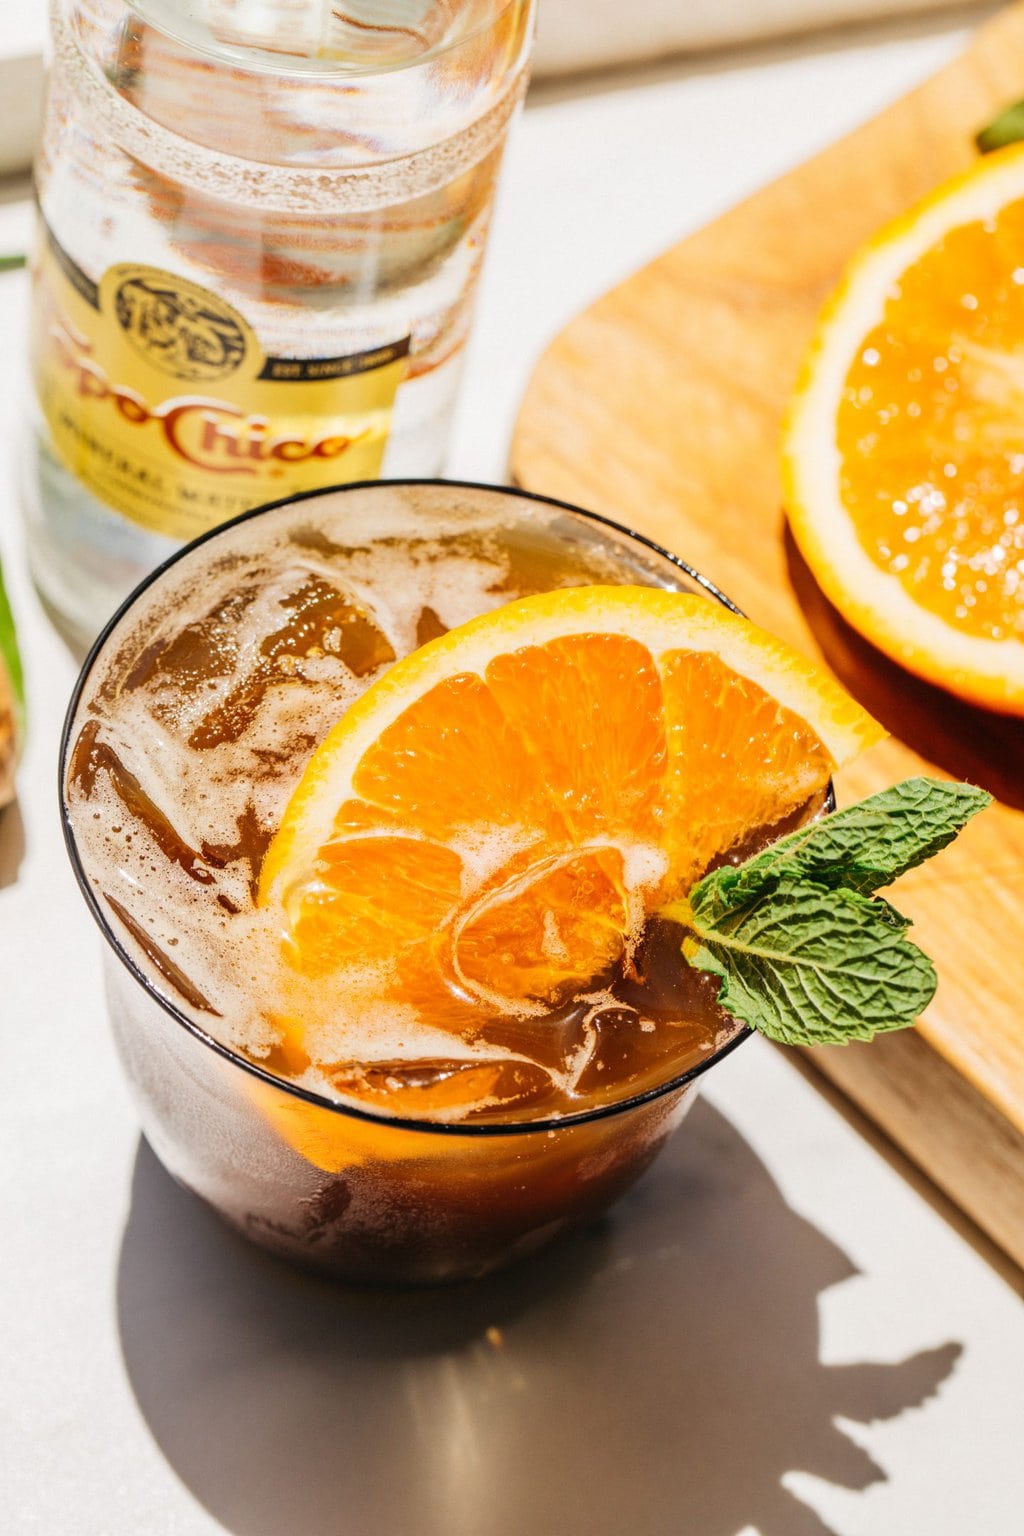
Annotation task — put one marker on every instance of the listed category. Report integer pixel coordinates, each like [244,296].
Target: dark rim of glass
[333,1106]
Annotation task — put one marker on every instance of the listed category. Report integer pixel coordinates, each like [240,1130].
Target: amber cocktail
[400,1134]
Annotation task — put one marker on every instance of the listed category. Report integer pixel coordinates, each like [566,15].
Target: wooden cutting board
[660,406]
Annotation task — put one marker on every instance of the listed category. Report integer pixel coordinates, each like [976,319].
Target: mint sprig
[863,848]
[806,953]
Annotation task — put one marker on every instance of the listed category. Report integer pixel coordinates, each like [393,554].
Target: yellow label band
[161,401]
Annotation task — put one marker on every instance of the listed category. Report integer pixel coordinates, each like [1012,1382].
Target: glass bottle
[261,226]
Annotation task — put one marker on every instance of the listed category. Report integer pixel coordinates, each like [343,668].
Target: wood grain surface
[660,406]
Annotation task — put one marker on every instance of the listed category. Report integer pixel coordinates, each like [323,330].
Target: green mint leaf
[862,848]
[1005,129]
[806,952]
[10,657]
[12,262]
[815,966]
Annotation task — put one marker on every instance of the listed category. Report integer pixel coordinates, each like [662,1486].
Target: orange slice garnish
[485,831]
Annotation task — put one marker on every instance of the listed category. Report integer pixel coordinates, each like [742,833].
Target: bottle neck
[217,122]
[311,36]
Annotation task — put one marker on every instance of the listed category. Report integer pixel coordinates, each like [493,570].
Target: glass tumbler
[344,1188]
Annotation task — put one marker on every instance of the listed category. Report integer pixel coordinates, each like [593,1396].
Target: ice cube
[319,620]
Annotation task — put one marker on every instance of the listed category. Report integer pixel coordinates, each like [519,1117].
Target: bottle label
[162,402]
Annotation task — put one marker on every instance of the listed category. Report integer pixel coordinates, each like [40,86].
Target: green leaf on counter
[10,656]
[1007,128]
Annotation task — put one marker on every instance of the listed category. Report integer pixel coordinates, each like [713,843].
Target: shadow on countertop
[658,1373]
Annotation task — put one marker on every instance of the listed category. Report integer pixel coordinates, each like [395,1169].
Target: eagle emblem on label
[179,328]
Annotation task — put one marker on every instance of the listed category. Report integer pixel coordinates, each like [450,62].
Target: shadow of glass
[658,1372]
[968,742]
[12,843]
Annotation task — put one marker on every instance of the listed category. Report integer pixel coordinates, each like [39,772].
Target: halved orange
[903,457]
[485,831]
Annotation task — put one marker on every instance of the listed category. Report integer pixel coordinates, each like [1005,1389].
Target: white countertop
[776,1334]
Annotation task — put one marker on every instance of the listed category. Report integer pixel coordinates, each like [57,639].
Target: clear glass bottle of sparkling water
[261,224]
